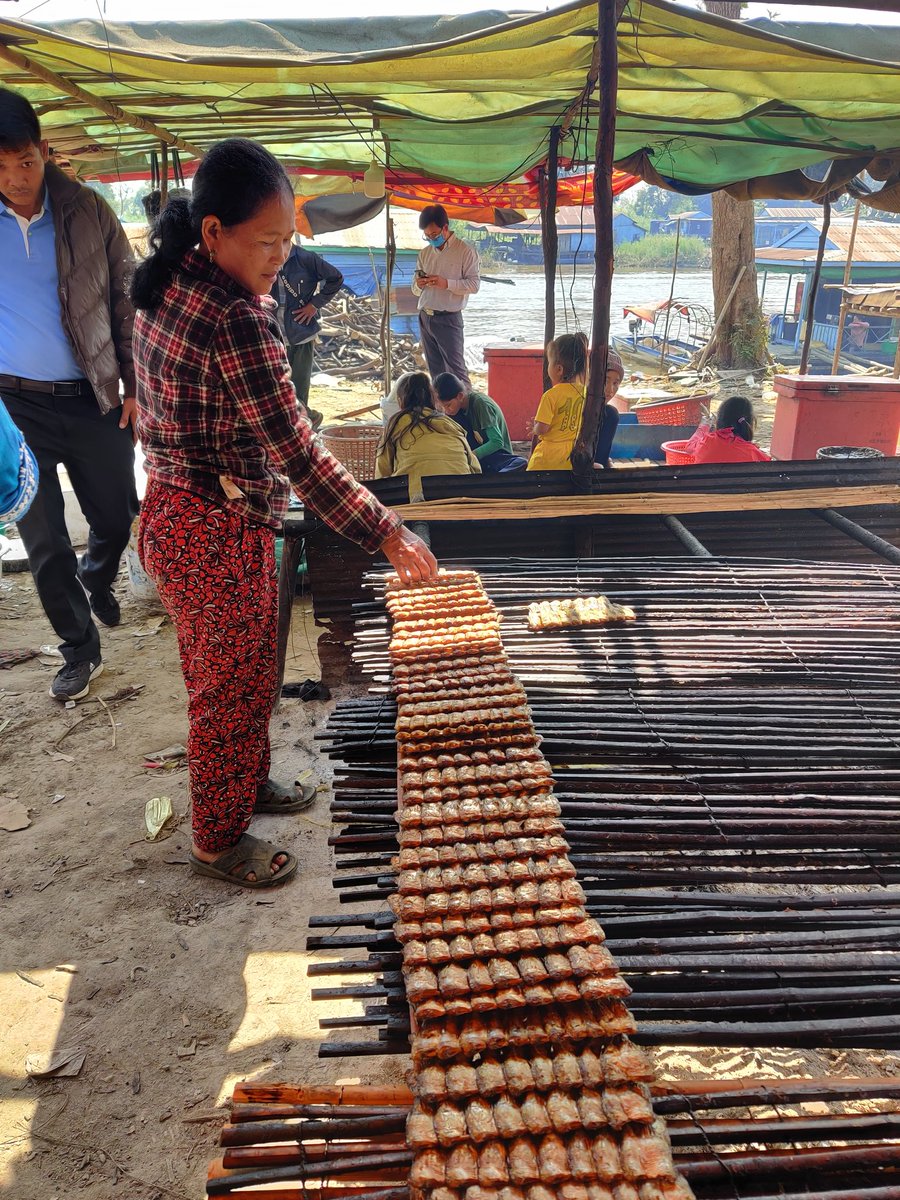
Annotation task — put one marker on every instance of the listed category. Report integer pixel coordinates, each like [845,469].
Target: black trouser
[99,460]
[301,360]
[442,343]
[606,435]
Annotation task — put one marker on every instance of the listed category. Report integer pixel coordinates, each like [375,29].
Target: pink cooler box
[813,411]
[515,373]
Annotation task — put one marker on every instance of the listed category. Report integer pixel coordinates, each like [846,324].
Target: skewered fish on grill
[583,610]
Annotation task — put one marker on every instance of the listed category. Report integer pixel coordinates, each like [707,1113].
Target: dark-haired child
[421,441]
[558,418]
[732,438]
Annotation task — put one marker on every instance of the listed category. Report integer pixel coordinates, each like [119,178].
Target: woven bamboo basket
[356,446]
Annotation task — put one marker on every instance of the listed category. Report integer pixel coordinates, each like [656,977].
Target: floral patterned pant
[215,574]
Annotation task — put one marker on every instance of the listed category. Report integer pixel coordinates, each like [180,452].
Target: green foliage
[658,250]
[648,203]
[749,342]
[123,198]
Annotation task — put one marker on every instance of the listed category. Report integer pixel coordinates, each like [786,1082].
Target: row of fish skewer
[526,1084]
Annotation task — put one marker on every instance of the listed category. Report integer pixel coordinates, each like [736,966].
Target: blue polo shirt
[33,343]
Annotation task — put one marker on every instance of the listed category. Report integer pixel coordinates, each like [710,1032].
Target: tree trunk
[741,340]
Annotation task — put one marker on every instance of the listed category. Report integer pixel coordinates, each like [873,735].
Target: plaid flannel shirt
[216,407]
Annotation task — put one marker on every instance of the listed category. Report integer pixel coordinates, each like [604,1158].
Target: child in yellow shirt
[558,418]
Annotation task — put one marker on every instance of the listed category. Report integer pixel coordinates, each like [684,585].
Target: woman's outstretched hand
[410,557]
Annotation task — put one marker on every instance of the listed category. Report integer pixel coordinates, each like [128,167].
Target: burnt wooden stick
[322,1170]
[743,1165]
[361,1049]
[738,939]
[286,1093]
[840,1193]
[350,941]
[298,1191]
[775,1000]
[882,961]
[254,1132]
[362,991]
[359,1021]
[237,1158]
[333,920]
[282,1110]
[354,966]
[670,1098]
[721,1131]
[861,1033]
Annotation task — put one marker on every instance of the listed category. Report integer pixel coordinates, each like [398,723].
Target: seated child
[732,438]
[615,373]
[558,418]
[420,441]
[482,421]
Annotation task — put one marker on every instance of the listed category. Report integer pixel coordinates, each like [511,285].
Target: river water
[500,313]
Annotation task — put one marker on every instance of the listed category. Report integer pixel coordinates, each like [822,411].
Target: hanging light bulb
[373,181]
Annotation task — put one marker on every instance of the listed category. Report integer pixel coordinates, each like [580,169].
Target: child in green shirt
[483,422]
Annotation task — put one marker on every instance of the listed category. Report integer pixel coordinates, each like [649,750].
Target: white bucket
[142,586]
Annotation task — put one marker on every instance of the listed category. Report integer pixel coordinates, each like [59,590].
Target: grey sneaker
[73,682]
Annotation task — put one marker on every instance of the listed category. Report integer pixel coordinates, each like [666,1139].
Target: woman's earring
[212,256]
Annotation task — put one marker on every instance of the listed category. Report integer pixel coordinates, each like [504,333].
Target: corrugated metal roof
[876,242]
[776,213]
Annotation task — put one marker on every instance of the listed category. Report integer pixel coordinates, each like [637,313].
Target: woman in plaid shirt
[223,435]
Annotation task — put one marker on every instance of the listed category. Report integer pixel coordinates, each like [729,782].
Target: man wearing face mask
[446,276]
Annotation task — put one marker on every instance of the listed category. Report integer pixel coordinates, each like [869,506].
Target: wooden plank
[645,503]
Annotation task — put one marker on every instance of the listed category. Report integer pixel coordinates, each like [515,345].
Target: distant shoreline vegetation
[657,250]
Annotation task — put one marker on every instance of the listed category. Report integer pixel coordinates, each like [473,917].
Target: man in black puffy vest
[67,380]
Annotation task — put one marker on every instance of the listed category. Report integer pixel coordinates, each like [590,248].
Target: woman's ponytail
[172,234]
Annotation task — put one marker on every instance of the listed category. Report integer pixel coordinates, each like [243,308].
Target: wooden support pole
[550,241]
[848,269]
[608,14]
[692,544]
[665,345]
[390,254]
[16,59]
[864,536]
[164,176]
[723,313]
[814,288]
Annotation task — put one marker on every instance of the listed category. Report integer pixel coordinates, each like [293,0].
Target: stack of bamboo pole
[286,1143]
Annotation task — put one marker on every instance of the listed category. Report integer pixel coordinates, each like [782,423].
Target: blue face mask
[437,242]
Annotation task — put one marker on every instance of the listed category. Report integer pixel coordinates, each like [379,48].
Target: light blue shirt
[33,343]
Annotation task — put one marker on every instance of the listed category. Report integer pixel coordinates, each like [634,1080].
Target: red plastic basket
[676,455]
[684,411]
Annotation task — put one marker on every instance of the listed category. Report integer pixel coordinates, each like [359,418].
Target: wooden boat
[669,333]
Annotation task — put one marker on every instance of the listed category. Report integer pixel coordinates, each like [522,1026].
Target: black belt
[67,387]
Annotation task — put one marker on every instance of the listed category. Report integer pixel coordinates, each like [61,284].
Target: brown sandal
[255,857]
[272,797]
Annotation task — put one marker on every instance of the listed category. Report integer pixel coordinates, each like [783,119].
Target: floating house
[876,259]
[774,222]
[522,245]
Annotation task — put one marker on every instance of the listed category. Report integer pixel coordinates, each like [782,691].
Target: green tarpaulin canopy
[703,102]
